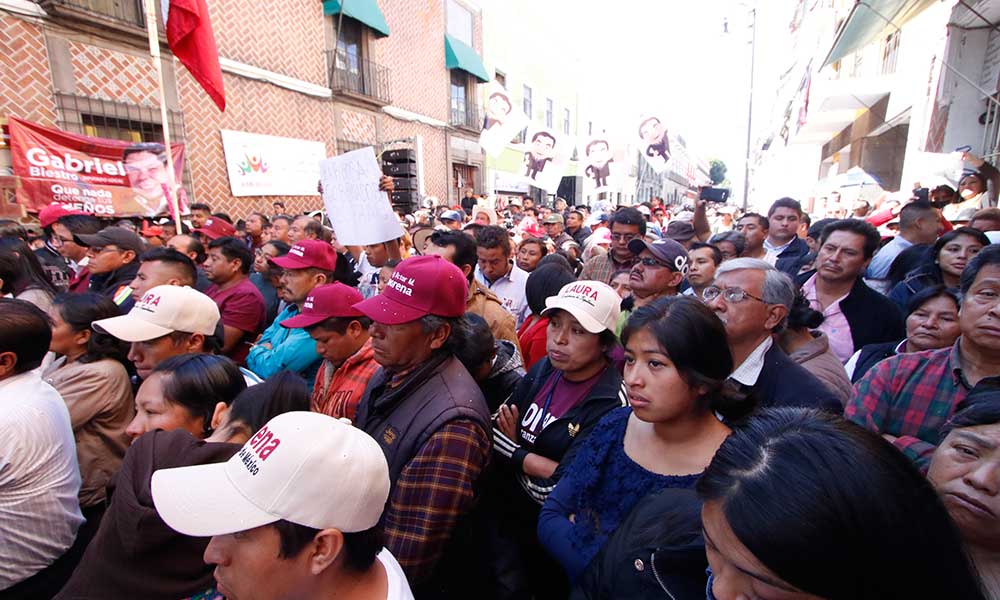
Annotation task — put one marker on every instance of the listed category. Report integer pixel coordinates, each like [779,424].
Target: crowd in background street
[510,400]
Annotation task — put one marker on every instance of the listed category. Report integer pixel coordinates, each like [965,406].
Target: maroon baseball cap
[216,228]
[53,212]
[325,302]
[308,254]
[420,286]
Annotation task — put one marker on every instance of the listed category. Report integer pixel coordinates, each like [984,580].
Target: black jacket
[783,382]
[507,371]
[108,284]
[791,257]
[870,356]
[555,440]
[873,318]
[657,552]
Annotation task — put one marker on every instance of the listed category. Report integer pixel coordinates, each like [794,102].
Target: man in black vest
[430,418]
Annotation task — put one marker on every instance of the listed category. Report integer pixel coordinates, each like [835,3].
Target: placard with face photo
[504,120]
[546,156]
[602,162]
[653,141]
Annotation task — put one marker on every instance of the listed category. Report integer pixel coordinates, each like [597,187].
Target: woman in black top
[556,404]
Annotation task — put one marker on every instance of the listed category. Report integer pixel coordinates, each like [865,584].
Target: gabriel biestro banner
[94,175]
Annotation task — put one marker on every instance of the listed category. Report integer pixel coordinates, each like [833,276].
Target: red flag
[189,33]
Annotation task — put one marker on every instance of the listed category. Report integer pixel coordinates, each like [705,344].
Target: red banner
[94,175]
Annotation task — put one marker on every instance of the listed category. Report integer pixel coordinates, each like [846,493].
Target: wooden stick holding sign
[359,212]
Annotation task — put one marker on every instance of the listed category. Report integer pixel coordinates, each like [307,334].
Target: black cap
[116,236]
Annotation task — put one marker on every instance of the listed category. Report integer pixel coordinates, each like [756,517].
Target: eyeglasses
[649,261]
[624,237]
[733,295]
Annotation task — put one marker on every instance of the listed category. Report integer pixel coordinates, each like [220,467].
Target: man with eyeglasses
[753,299]
[658,273]
[113,261]
[626,224]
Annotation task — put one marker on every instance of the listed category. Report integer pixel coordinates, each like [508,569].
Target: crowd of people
[508,401]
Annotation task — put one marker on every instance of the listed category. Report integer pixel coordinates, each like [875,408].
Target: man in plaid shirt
[430,418]
[907,398]
[626,224]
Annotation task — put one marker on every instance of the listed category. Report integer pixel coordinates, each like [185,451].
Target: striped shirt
[910,396]
[338,391]
[39,478]
[603,267]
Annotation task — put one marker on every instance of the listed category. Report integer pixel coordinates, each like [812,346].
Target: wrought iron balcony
[360,78]
[468,117]
[118,12]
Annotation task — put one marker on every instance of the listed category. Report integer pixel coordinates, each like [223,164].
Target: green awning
[458,55]
[868,20]
[366,11]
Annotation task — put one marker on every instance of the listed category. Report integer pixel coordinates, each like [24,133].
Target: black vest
[403,418]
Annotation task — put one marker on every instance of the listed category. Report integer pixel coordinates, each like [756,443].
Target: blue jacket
[291,349]
[791,257]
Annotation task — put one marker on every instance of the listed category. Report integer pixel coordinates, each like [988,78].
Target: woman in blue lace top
[676,361]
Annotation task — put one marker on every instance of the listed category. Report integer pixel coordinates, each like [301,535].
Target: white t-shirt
[399,587]
[39,478]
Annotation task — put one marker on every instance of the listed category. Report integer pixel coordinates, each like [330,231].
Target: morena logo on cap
[297,250]
[263,444]
[401,283]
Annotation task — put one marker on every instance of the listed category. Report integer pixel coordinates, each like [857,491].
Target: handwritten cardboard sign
[359,212]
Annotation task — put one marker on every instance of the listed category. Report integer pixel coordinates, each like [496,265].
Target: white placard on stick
[359,212]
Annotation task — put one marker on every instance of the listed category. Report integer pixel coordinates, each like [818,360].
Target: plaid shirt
[910,396]
[432,492]
[337,392]
[602,268]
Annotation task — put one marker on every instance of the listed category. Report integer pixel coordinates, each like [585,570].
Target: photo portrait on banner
[103,177]
[653,141]
[546,156]
[504,120]
[602,160]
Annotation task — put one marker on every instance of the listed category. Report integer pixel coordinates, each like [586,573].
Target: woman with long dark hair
[800,505]
[91,374]
[945,262]
[676,362]
[190,392]
[811,348]
[23,276]
[135,554]
[543,283]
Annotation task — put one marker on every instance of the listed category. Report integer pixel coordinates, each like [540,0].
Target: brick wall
[254,107]
[116,76]
[25,81]
[284,36]
[414,51]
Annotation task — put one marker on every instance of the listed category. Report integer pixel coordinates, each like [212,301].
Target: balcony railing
[467,117]
[120,12]
[359,78]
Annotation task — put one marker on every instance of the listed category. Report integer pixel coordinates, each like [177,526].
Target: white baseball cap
[303,467]
[162,310]
[594,304]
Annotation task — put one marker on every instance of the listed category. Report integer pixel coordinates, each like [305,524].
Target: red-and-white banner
[94,175]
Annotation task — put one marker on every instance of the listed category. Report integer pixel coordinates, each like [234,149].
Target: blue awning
[459,55]
[365,11]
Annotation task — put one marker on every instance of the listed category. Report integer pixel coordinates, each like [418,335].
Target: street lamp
[746,161]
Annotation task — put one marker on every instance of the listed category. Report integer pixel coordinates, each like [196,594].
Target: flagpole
[154,52]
